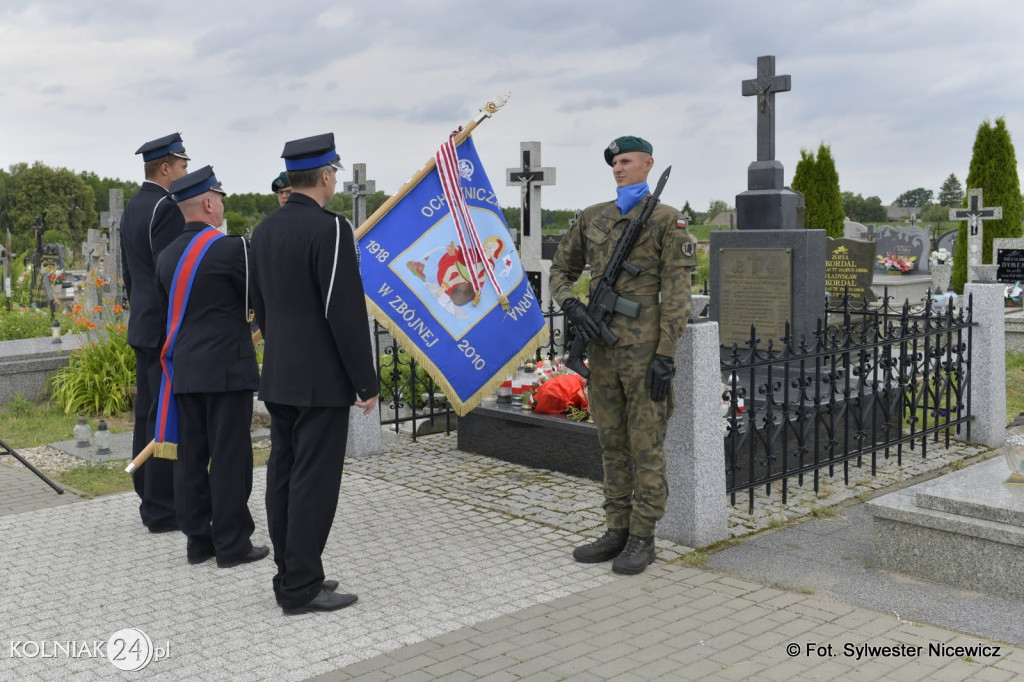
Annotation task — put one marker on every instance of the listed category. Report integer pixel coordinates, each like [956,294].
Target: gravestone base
[541,441]
[1014,329]
[911,287]
[964,529]
[26,365]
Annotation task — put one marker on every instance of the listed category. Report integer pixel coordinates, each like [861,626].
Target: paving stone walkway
[463,568]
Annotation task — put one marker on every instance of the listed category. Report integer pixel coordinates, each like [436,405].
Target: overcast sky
[898,89]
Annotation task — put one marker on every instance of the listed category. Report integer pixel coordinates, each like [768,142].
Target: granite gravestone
[1009,257]
[946,241]
[6,271]
[359,188]
[849,269]
[779,260]
[112,273]
[975,214]
[530,177]
[906,242]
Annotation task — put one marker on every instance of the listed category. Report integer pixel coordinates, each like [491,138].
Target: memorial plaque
[756,288]
[1010,264]
[849,264]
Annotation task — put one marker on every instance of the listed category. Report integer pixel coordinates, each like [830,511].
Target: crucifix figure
[913,220]
[359,188]
[975,213]
[530,176]
[765,86]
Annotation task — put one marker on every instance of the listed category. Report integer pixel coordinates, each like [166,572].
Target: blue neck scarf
[630,196]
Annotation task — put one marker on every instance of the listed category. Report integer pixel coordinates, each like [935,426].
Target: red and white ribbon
[472,247]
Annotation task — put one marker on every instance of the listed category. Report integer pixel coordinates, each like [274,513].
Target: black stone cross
[529,176]
[765,86]
[974,214]
[913,220]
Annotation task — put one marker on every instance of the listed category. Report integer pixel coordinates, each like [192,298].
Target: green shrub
[395,378]
[98,376]
[24,324]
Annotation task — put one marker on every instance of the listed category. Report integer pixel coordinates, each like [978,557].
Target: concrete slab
[952,537]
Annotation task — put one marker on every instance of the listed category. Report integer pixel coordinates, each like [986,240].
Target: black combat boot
[637,555]
[607,547]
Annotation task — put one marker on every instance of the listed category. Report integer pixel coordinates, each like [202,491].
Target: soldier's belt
[630,307]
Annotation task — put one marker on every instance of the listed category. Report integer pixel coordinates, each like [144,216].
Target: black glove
[659,377]
[581,320]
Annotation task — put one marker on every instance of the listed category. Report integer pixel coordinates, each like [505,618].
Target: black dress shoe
[325,601]
[254,554]
[330,585]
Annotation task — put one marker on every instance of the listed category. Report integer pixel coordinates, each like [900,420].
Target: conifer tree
[818,180]
[952,192]
[994,170]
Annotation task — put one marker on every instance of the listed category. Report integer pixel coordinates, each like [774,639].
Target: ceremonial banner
[451,289]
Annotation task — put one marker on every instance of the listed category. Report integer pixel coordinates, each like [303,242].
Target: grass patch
[820,512]
[696,558]
[24,424]
[1014,385]
[104,478]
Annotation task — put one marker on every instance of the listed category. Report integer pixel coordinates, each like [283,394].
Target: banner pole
[486,111]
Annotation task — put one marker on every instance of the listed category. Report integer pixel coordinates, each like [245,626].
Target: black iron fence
[410,401]
[408,396]
[874,381]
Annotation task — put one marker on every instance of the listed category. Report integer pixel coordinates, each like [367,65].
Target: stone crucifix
[359,188]
[974,214]
[765,86]
[530,176]
[112,264]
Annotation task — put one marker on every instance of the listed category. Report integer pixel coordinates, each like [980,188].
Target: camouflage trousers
[631,428]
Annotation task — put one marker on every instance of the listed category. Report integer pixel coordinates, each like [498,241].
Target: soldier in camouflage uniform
[631,382]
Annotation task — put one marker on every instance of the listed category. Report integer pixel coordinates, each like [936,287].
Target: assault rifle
[604,301]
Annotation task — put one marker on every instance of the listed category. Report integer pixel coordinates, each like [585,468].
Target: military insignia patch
[689,249]
[613,147]
[681,224]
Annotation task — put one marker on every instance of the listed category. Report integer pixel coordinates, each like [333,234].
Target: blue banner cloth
[417,286]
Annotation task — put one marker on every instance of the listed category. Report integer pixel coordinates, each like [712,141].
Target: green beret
[280,182]
[627,143]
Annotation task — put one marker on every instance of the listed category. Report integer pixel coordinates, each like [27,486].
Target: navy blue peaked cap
[195,183]
[168,145]
[310,152]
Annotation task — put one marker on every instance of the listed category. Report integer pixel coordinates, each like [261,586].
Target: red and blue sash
[181,289]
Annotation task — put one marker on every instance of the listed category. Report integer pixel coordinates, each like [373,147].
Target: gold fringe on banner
[462,408]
